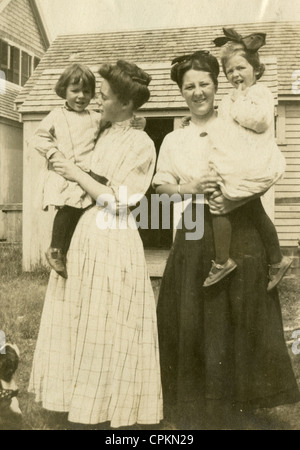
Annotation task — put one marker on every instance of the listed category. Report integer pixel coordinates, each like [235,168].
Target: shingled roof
[159,46]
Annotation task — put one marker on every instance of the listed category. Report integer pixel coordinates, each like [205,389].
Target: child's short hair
[74,74]
[127,81]
[235,48]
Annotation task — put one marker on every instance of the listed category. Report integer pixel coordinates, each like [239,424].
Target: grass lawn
[21,300]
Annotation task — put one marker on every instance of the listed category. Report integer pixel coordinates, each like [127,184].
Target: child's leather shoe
[56,260]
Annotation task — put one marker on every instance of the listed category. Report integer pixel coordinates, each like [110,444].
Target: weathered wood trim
[40,22]
[287,200]
[4,4]
[10,122]
[12,207]
[281,125]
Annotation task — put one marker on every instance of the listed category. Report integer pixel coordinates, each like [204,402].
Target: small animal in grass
[10,412]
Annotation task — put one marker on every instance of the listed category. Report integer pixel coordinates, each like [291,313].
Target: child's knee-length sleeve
[44,139]
[254,109]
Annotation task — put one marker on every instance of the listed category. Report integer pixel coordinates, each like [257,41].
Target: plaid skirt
[97,352]
[223,343]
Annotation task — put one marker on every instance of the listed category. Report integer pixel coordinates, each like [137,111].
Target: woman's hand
[66,169]
[57,155]
[139,123]
[219,205]
[206,185]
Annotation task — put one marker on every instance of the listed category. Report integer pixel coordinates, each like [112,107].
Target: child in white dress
[245,153]
[70,132]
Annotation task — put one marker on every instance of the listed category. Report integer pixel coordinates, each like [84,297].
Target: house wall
[11,180]
[287,204]
[37,224]
[19,25]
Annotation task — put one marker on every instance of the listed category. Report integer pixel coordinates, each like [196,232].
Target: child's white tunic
[97,352]
[245,153]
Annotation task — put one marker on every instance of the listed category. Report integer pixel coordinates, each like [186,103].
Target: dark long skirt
[223,344]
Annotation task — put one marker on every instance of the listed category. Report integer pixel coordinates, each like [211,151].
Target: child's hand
[138,123]
[238,92]
[185,121]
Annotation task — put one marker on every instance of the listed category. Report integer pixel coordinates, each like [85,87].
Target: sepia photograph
[149,284]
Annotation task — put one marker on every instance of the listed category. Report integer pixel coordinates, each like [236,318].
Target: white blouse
[183,156]
[126,157]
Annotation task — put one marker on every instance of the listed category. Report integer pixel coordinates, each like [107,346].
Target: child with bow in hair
[245,154]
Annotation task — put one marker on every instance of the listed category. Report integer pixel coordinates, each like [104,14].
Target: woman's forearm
[91,186]
[170,189]
[191,188]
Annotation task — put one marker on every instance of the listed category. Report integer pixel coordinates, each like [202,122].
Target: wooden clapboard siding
[20,23]
[11,173]
[287,208]
[13,226]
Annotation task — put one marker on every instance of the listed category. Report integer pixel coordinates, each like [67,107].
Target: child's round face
[78,97]
[239,72]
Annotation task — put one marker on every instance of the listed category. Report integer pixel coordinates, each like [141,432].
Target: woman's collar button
[203,134]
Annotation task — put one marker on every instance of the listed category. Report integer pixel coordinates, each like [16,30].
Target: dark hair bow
[252,43]
[183,58]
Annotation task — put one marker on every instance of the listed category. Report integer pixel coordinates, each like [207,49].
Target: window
[16,64]
[36,62]
[4,58]
[26,67]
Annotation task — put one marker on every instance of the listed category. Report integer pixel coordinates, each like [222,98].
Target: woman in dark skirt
[222,347]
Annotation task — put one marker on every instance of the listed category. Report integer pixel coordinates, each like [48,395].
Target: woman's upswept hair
[128,82]
[200,60]
[234,48]
[74,74]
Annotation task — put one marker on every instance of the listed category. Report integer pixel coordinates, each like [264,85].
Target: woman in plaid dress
[97,351]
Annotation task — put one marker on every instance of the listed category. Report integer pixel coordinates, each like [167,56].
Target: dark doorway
[157,128]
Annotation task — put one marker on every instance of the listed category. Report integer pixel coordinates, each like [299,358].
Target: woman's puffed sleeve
[44,139]
[254,109]
[165,173]
[132,181]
